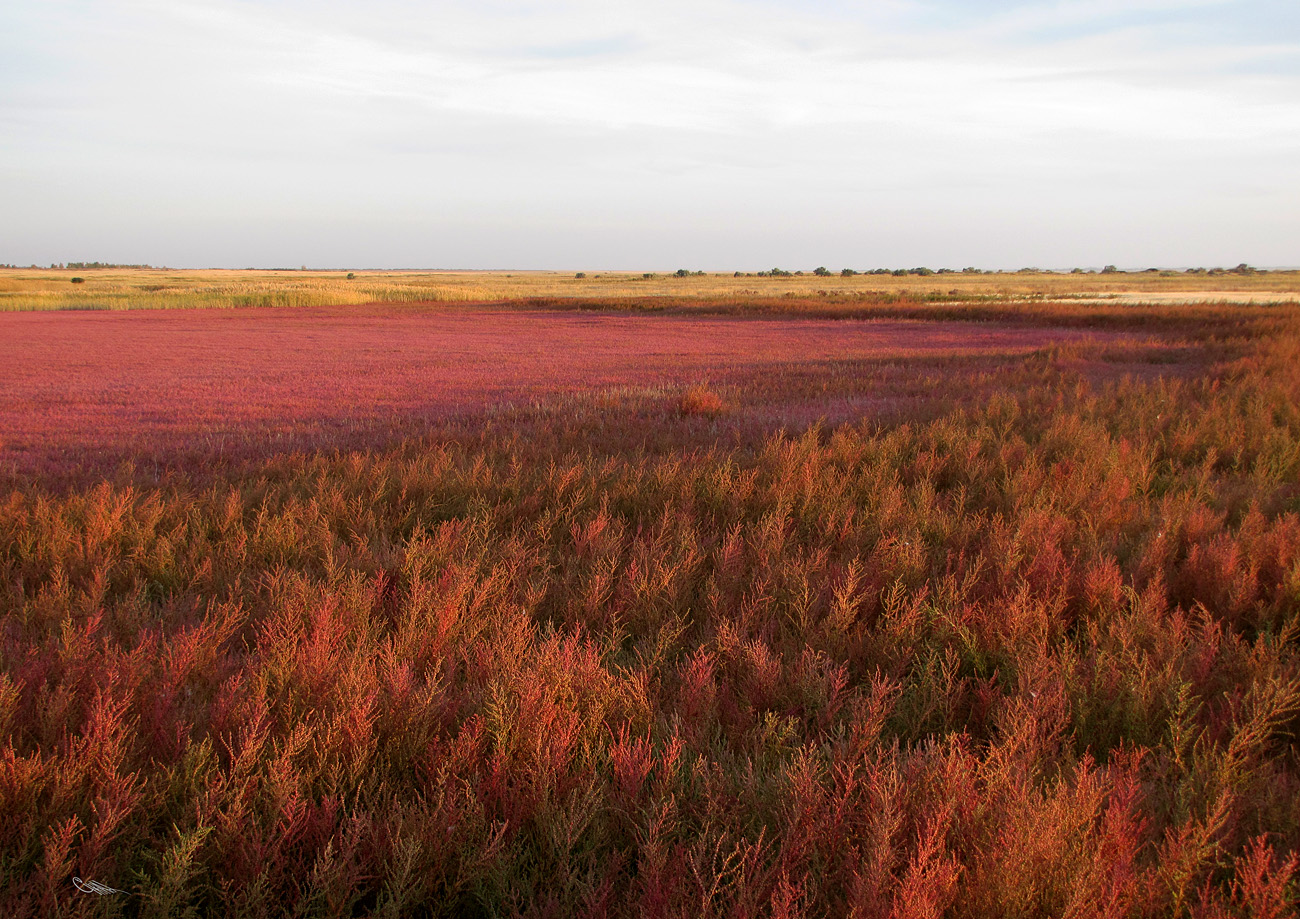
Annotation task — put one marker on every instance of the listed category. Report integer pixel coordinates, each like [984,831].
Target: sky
[622,134]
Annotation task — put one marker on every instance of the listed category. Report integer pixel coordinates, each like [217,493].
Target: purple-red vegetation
[97,387]
[1020,637]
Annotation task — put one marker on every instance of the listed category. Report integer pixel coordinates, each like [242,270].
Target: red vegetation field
[81,385]
[1018,637]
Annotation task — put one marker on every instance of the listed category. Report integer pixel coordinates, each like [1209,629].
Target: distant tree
[847,272]
[822,272]
[1110,269]
[923,272]
[681,273]
[899,272]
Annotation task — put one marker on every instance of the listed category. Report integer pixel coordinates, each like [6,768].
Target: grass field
[103,289]
[634,601]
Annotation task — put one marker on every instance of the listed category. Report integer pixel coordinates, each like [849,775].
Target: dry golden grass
[42,289]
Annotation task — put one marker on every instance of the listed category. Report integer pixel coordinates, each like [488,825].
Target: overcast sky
[712,134]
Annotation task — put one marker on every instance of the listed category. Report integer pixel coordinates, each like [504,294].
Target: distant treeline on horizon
[1242,269]
[74,266]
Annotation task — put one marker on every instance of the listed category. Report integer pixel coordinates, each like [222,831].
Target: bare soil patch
[1196,296]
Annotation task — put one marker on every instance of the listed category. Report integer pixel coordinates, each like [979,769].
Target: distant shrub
[681,273]
[899,272]
[702,401]
[351,275]
[923,272]
[822,272]
[78,280]
[581,274]
[1110,269]
[847,272]
[647,276]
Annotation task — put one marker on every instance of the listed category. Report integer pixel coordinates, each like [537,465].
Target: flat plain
[161,288]
[146,384]
[489,595]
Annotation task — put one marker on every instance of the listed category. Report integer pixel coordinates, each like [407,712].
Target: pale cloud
[716,133]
